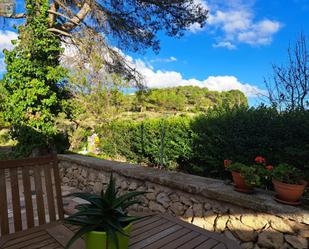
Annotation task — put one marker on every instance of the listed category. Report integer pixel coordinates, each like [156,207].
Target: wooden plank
[8,239]
[49,193]
[42,244]
[229,243]
[4,220]
[28,196]
[157,236]
[194,242]
[158,244]
[145,235]
[146,221]
[148,227]
[39,195]
[54,245]
[208,244]
[58,189]
[62,235]
[15,199]
[5,164]
[26,237]
[73,228]
[220,246]
[29,243]
[174,244]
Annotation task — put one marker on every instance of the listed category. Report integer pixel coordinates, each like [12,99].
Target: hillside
[184,99]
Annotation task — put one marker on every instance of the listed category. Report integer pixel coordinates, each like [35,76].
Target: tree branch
[18,16]
[61,32]
[78,18]
[64,16]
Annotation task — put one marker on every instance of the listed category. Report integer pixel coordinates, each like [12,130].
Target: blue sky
[233,51]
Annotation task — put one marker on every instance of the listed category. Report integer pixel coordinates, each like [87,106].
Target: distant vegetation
[185,98]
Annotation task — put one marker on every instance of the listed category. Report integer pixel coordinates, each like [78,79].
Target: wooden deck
[155,232]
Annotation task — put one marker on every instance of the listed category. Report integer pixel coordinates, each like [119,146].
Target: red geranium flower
[269,167]
[226,163]
[260,159]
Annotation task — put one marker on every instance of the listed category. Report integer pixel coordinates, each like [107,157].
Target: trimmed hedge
[242,134]
[165,142]
[199,145]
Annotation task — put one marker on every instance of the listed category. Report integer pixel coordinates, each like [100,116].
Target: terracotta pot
[240,183]
[289,193]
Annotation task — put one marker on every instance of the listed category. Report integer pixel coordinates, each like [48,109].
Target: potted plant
[289,184]
[104,221]
[246,177]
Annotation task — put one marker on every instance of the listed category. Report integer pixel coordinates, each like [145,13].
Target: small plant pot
[99,240]
[240,184]
[289,193]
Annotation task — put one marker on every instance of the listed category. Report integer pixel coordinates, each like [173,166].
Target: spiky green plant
[106,212]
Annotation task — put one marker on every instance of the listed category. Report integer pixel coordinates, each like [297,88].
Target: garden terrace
[31,214]
[251,220]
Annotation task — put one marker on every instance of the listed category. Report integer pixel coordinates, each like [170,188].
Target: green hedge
[199,145]
[156,142]
[242,134]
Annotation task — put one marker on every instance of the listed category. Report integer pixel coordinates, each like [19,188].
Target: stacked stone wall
[254,221]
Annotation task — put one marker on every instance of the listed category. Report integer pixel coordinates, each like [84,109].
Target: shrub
[5,138]
[240,134]
[165,142]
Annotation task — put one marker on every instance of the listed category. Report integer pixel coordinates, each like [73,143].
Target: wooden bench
[30,193]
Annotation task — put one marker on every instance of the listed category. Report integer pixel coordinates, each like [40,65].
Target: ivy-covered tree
[33,87]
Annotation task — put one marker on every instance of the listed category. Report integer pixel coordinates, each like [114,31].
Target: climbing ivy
[34,84]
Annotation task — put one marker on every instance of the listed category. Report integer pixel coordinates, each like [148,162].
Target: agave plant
[106,212]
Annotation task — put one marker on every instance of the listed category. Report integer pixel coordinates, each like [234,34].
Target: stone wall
[254,221]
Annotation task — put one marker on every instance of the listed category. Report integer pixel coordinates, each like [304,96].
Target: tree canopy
[129,25]
[133,24]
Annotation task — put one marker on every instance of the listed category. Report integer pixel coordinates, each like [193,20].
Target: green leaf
[88,212]
[130,219]
[83,221]
[111,234]
[110,192]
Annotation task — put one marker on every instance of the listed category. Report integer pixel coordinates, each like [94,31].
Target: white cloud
[195,28]
[166,60]
[261,33]
[231,21]
[172,58]
[162,79]
[224,44]
[234,22]
[5,39]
